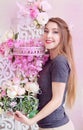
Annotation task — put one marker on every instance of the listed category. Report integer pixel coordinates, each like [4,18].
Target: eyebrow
[52,28]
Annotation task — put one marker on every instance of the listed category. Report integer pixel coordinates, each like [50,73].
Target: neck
[53,54]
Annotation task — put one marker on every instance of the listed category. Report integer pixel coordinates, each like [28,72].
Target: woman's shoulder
[60,58]
[61,63]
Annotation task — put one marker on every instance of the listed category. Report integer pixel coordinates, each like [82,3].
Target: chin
[49,47]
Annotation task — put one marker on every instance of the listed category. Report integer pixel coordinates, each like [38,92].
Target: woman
[57,80]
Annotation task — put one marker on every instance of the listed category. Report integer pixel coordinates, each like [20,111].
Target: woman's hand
[10,113]
[22,118]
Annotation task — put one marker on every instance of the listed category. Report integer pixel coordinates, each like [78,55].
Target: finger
[10,113]
[18,114]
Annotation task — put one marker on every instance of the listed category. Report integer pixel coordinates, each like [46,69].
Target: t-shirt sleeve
[60,70]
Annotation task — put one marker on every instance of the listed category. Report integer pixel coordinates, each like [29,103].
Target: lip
[49,41]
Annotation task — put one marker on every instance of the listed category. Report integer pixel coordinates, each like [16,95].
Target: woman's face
[51,35]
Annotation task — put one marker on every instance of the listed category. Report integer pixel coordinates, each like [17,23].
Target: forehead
[52,25]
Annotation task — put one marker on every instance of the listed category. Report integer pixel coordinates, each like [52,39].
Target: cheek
[57,39]
[44,37]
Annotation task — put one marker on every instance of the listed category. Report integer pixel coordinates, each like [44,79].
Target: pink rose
[33,12]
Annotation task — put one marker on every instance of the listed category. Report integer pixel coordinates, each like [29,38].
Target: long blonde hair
[65,48]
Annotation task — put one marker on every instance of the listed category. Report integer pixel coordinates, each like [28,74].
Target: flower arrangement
[19,93]
[27,59]
[36,10]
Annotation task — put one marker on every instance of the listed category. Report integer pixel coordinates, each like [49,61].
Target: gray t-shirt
[56,70]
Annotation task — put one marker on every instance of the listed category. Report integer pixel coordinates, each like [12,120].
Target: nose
[49,35]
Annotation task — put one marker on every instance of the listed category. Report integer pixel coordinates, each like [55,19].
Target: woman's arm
[53,104]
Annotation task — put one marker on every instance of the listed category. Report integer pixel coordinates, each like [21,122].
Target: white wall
[72,12]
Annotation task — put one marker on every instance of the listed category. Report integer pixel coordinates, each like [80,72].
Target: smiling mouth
[49,41]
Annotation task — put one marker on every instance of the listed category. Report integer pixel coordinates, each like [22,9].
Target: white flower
[21,91]
[16,80]
[1,110]
[32,87]
[7,35]
[7,84]
[1,104]
[24,81]
[11,94]
[12,91]
[3,39]
[42,18]
[45,6]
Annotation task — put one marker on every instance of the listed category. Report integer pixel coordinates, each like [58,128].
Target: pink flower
[10,43]
[3,93]
[29,58]
[39,68]
[31,70]
[2,49]
[10,58]
[24,67]
[33,12]
[13,104]
[17,44]
[39,63]
[1,52]
[24,60]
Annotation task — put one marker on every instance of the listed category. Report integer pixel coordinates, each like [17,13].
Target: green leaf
[33,113]
[16,36]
